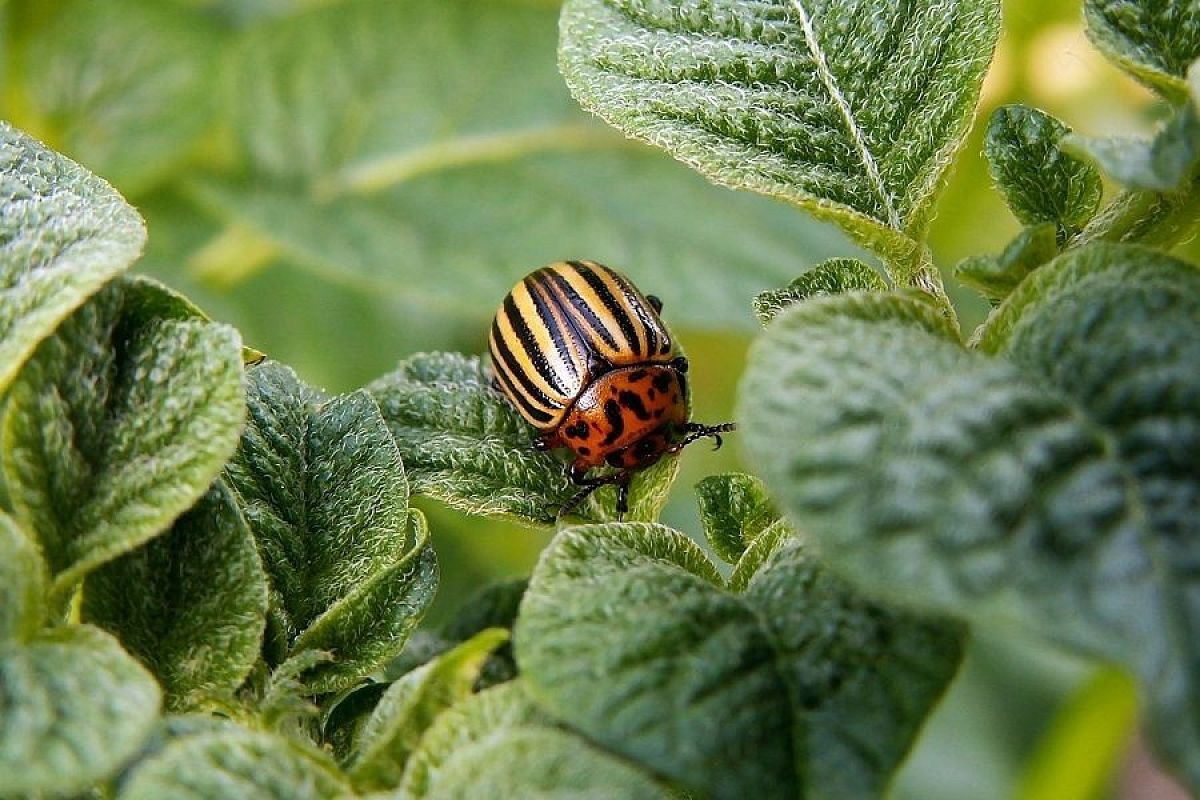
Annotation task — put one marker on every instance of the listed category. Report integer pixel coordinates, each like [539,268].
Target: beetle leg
[696,431]
[590,485]
[623,497]
[655,303]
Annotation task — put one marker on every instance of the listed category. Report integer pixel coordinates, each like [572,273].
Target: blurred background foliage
[353,181]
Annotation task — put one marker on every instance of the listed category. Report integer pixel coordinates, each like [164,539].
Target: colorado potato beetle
[584,357]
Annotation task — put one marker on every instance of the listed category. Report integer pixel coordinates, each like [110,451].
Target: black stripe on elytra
[519,399]
[510,368]
[610,303]
[542,304]
[612,412]
[529,344]
[574,306]
[645,312]
[633,402]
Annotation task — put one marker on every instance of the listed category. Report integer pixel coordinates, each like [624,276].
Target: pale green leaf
[849,109]
[325,492]
[834,276]
[126,87]
[65,233]
[116,426]
[190,604]
[1153,40]
[996,276]
[626,633]
[1040,181]
[22,583]
[410,705]
[73,708]
[734,510]
[463,443]
[493,606]
[498,744]
[395,147]
[249,765]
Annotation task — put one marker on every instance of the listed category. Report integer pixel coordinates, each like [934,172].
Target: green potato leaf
[117,425]
[323,488]
[734,510]
[66,234]
[190,604]
[850,110]
[628,634]
[1154,41]
[833,276]
[74,707]
[997,276]
[22,583]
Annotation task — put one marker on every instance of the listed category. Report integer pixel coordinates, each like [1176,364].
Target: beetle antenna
[696,431]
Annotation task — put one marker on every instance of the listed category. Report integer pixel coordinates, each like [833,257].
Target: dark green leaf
[498,744]
[118,424]
[190,604]
[846,108]
[834,276]
[625,633]
[326,495]
[410,706]
[73,708]
[22,583]
[249,765]
[734,510]
[1040,181]
[493,606]
[1153,40]
[997,276]
[464,444]
[126,86]
[66,233]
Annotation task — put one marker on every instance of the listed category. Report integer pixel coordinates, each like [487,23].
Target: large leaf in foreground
[463,443]
[846,107]
[117,425]
[191,604]
[65,233]
[73,708]
[324,490]
[1059,492]
[628,634]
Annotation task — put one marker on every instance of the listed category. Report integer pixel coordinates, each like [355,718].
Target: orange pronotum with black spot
[584,357]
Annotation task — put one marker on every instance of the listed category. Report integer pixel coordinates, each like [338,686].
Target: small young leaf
[834,276]
[493,606]
[65,232]
[497,743]
[1040,181]
[251,765]
[812,102]
[191,604]
[734,510]
[73,708]
[1165,163]
[411,704]
[1155,42]
[626,634]
[464,444]
[127,87]
[997,276]
[118,424]
[325,492]
[22,583]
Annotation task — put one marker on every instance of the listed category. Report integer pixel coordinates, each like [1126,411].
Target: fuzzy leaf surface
[1040,181]
[396,146]
[117,425]
[734,510]
[65,232]
[190,604]
[1155,42]
[463,443]
[254,765]
[410,706]
[843,107]
[627,633]
[498,743]
[996,276]
[325,493]
[74,707]
[126,87]
[22,583]
[834,276]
